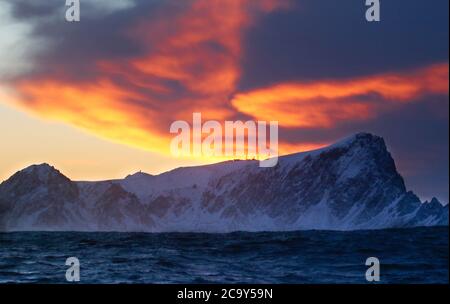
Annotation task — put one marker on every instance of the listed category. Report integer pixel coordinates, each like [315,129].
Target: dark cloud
[24,9]
[332,39]
[74,48]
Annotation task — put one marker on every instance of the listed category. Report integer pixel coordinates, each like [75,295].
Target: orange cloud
[327,103]
[99,108]
[198,49]
[190,64]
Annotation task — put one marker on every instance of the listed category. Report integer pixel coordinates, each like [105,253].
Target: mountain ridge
[352,184]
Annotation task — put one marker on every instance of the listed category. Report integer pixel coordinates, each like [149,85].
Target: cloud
[127,75]
[100,7]
[186,57]
[55,9]
[187,61]
[318,40]
[327,103]
[17,44]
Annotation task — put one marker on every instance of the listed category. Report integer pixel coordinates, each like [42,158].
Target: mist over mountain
[350,185]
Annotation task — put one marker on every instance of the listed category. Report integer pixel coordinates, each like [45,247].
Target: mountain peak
[41,169]
[435,201]
[362,138]
[362,141]
[138,175]
[33,181]
[42,172]
[44,167]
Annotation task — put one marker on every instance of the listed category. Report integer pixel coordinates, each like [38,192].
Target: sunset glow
[121,77]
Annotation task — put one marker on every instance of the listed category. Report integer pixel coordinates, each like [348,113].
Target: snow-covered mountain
[352,184]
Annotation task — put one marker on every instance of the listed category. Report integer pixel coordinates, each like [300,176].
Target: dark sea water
[417,255]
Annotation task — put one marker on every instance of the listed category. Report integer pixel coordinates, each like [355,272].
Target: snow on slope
[144,185]
[352,184]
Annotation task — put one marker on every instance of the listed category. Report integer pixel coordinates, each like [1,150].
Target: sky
[96,98]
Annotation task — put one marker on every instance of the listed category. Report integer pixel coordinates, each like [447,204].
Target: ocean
[413,255]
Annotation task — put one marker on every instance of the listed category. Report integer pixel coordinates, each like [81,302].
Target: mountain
[352,184]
